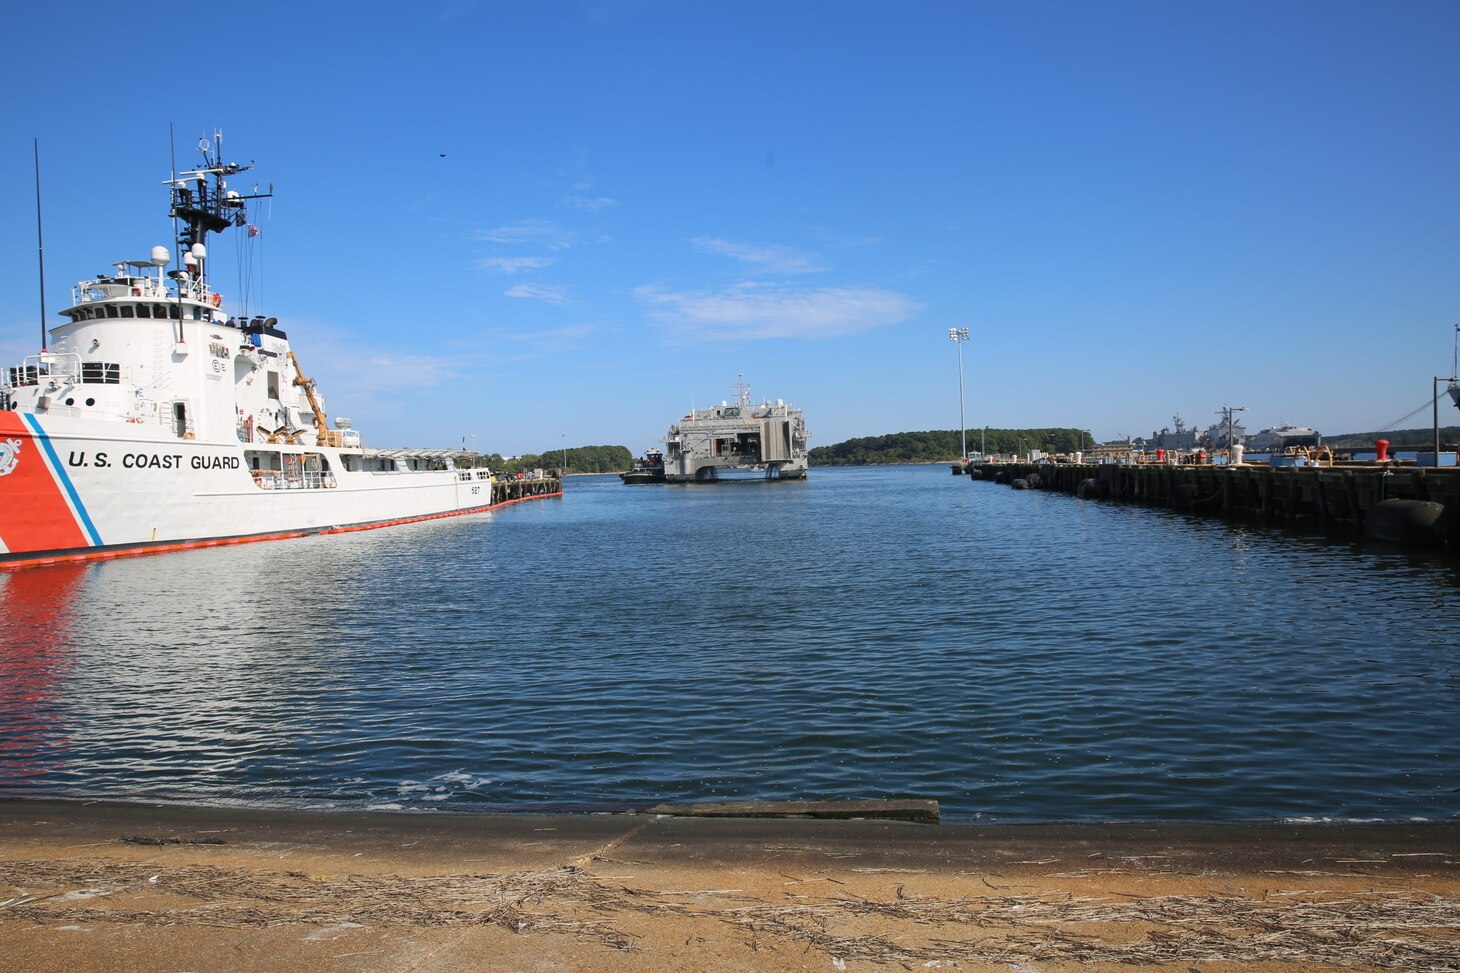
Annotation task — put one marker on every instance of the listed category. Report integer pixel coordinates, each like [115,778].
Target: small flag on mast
[253,231]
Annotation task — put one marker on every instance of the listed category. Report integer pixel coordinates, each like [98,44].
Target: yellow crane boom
[325,436]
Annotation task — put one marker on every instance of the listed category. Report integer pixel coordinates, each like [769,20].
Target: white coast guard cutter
[155,420]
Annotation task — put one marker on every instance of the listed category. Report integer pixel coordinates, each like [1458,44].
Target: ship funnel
[160,257]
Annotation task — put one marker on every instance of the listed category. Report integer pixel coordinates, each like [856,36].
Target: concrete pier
[1354,496]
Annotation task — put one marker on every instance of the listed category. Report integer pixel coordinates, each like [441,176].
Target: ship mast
[742,391]
[203,203]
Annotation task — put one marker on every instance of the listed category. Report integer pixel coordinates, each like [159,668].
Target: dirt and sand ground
[96,887]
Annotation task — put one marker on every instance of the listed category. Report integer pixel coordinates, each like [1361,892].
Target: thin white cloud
[570,332]
[535,344]
[591,204]
[768,258]
[346,368]
[513,265]
[538,233]
[538,292]
[406,371]
[752,311]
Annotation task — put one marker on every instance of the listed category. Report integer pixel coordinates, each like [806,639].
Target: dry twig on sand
[1391,930]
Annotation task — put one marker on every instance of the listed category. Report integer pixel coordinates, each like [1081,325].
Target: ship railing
[55,367]
[66,370]
[284,480]
[102,288]
[144,288]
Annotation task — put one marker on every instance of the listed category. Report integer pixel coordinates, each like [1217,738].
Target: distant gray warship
[737,441]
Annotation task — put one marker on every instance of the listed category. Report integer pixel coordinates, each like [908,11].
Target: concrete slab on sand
[279,890]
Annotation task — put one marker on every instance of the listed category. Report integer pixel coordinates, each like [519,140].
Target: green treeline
[938,445]
[930,446]
[1398,438]
[580,459]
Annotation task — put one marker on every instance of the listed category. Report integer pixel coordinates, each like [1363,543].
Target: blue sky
[1137,208]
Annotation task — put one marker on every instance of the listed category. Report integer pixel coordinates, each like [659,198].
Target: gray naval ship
[737,441]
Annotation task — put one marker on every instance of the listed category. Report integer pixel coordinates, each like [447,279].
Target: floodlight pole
[1455,369]
[958,336]
[1227,411]
[1436,405]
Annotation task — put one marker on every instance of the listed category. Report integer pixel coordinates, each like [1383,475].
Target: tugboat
[648,468]
[740,441]
[156,420]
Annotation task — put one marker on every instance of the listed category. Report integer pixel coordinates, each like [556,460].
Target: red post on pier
[1381,449]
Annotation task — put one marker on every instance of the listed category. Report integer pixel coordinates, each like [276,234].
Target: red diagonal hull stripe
[34,515]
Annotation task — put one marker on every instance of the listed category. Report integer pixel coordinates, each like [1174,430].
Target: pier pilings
[510,491]
[1345,497]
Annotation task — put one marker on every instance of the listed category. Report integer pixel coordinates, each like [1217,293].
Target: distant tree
[580,459]
[1398,438]
[941,445]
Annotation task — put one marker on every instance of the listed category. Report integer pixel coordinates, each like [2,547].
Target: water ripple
[871,633]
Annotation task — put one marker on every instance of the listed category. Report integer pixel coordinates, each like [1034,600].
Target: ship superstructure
[1277,438]
[737,440]
[155,417]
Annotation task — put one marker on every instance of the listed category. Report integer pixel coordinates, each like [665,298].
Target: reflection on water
[37,611]
[869,633]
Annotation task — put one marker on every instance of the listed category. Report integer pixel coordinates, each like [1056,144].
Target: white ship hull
[154,418]
[76,490]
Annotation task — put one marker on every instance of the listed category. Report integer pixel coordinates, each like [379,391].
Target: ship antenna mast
[206,208]
[39,242]
[741,390]
[177,256]
[172,183]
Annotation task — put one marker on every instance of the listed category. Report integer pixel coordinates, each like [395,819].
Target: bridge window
[101,373]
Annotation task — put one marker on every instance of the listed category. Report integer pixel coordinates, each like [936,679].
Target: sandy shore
[87,887]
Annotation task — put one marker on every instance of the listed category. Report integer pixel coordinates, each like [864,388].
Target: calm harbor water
[881,632]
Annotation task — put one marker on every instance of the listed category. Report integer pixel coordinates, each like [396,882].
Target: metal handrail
[281,480]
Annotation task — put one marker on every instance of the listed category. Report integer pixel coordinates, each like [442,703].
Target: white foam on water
[469,781]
